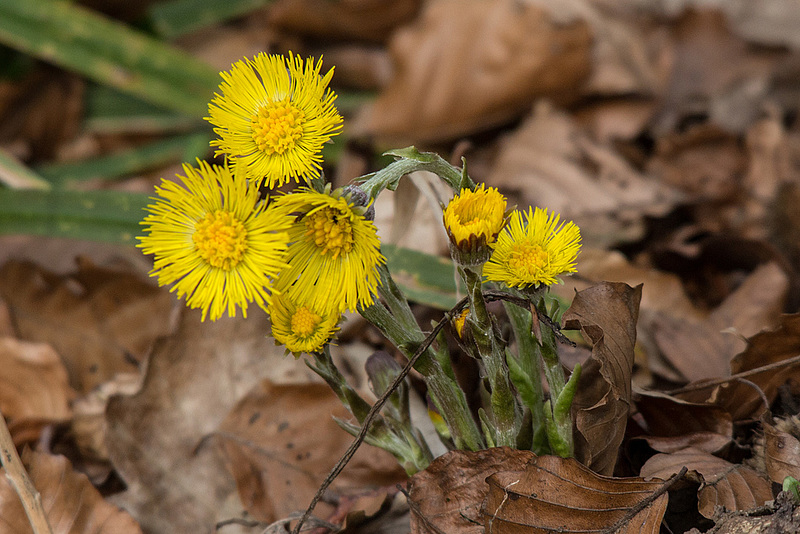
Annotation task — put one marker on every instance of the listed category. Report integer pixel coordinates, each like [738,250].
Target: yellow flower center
[331,230]
[479,213]
[220,239]
[305,322]
[528,260]
[277,126]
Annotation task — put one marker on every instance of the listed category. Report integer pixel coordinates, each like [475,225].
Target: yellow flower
[214,240]
[458,322]
[274,115]
[473,219]
[534,252]
[334,251]
[300,328]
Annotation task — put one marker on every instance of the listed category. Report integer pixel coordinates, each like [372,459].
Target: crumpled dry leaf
[465,66]
[70,501]
[734,486]
[281,441]
[447,496]
[781,449]
[606,315]
[34,390]
[156,437]
[369,20]
[553,494]
[704,349]
[100,321]
[551,162]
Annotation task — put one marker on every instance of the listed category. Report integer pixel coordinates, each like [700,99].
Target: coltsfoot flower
[273,117]
[473,220]
[214,240]
[300,328]
[533,250]
[334,251]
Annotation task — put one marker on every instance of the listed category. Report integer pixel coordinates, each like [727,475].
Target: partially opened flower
[533,250]
[274,115]
[300,328]
[214,240]
[473,219]
[334,251]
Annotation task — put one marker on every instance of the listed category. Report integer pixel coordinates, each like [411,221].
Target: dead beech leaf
[705,348]
[281,441]
[34,390]
[781,450]
[670,416]
[70,501]
[155,438]
[551,161]
[100,321]
[369,20]
[606,315]
[553,494]
[447,496]
[462,67]
[733,486]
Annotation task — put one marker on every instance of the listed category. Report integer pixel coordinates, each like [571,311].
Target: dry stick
[348,455]
[644,503]
[716,382]
[16,475]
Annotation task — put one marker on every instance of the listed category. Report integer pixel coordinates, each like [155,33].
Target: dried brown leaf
[606,315]
[156,437]
[70,501]
[447,496]
[553,494]
[281,441]
[733,486]
[781,453]
[465,66]
[100,321]
[670,416]
[34,390]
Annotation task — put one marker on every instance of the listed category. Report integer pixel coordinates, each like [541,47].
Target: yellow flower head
[274,115]
[334,251]
[534,252]
[473,219]
[300,328]
[214,240]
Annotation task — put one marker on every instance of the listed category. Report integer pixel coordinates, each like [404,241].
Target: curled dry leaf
[606,315]
[281,441]
[704,348]
[175,480]
[674,424]
[465,66]
[70,501]
[733,486]
[782,449]
[553,494]
[34,390]
[447,496]
[100,321]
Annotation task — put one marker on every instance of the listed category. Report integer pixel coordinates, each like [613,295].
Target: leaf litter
[669,131]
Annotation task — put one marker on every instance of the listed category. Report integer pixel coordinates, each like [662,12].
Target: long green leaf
[109,52]
[173,18]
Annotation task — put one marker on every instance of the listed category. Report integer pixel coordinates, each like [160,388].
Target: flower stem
[502,398]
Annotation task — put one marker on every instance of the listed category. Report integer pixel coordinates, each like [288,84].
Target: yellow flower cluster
[529,250]
[304,257]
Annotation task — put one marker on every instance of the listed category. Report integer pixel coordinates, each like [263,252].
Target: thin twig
[348,455]
[414,507]
[526,304]
[644,503]
[744,374]
[16,475]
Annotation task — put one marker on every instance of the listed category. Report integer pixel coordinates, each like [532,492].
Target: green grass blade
[17,176]
[425,279]
[127,162]
[109,216]
[173,18]
[108,52]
